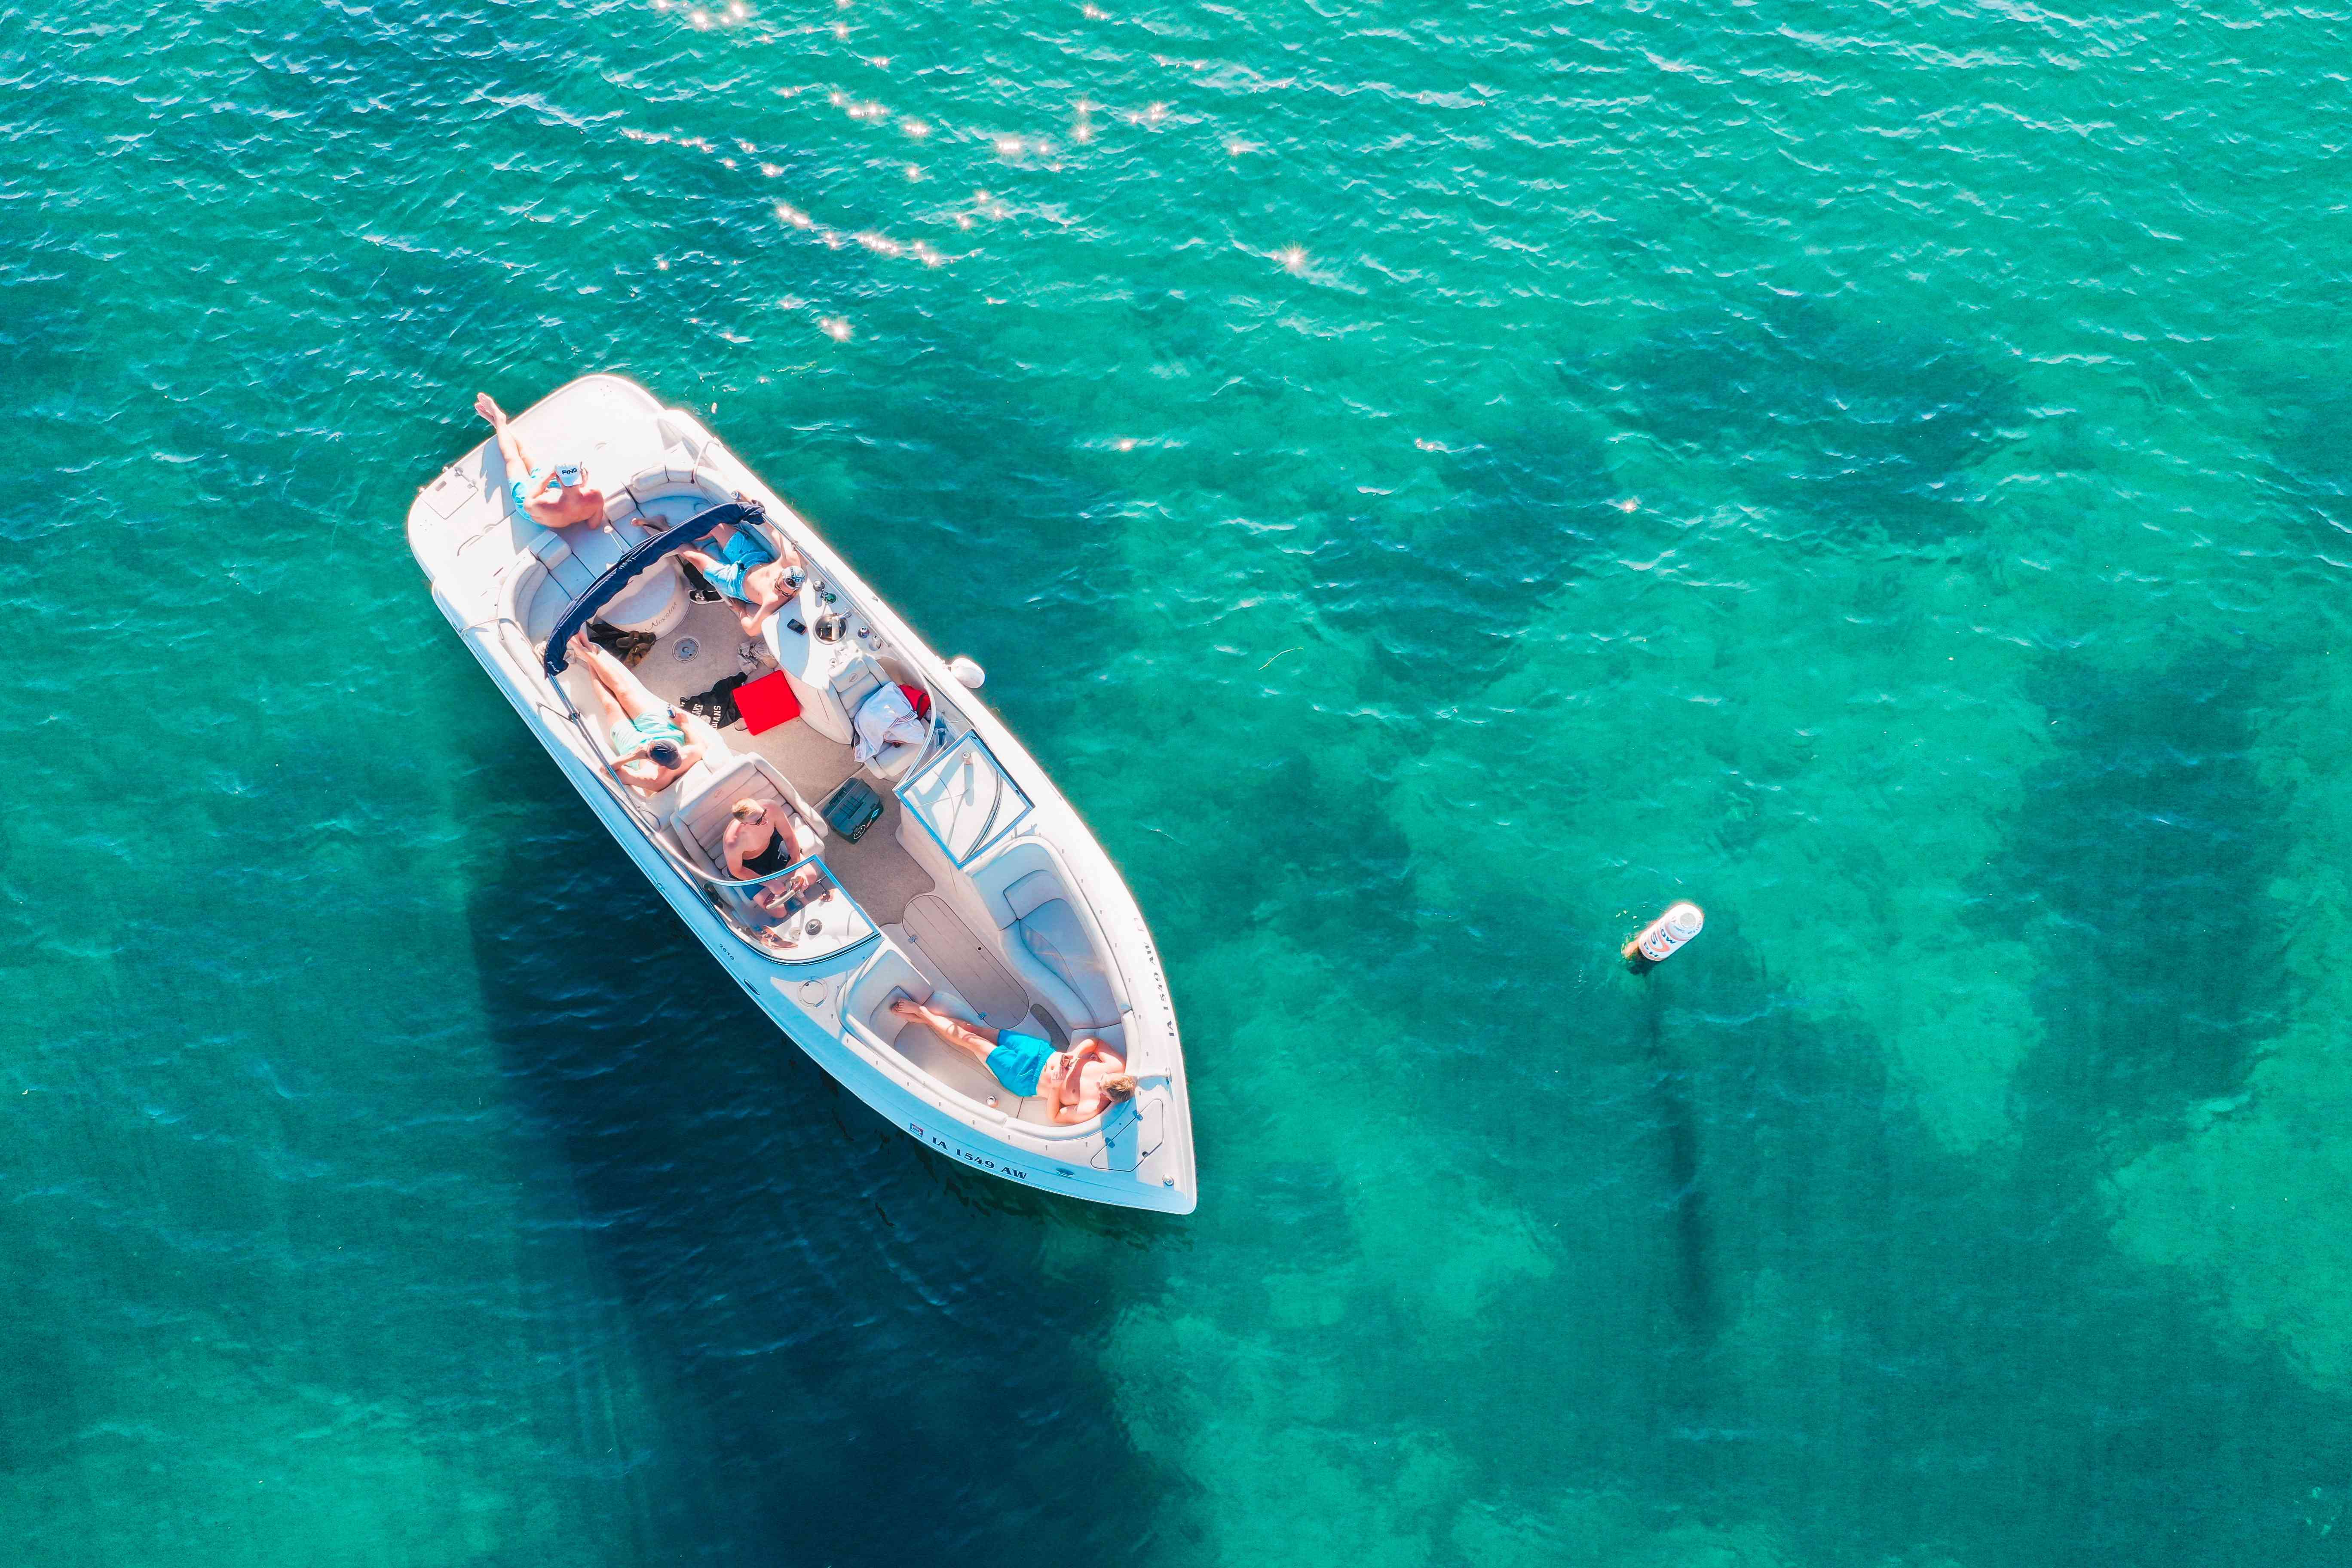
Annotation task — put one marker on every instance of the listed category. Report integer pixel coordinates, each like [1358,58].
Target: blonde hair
[1117,1086]
[746,809]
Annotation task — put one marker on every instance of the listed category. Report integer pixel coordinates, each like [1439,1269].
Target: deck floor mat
[977,977]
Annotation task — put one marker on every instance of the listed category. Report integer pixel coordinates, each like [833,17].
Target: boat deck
[893,888]
[1023,924]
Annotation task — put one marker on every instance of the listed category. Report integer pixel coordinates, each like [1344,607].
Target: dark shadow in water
[1444,595]
[855,1354]
[2311,422]
[2139,867]
[1304,1204]
[1849,422]
[1686,1199]
[1888,1349]
[1285,844]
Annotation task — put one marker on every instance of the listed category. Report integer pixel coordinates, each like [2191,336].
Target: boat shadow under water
[944,866]
[850,1349]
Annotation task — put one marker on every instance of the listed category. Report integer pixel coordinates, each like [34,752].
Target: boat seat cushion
[1031,892]
[554,552]
[622,516]
[598,549]
[1011,865]
[575,557]
[1046,989]
[1046,928]
[701,819]
[1052,933]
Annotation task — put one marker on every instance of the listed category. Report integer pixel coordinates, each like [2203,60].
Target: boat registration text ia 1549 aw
[950,871]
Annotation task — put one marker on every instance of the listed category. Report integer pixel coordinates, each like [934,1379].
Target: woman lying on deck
[650,749]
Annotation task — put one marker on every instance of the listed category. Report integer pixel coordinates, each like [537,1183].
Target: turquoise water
[1436,485]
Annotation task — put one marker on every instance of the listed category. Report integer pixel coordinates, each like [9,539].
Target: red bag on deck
[767,701]
[917,699]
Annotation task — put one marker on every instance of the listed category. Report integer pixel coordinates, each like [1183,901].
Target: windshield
[964,799]
[798,915]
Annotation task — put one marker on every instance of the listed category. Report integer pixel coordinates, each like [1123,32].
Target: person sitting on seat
[1077,1085]
[650,749]
[745,572]
[569,503]
[762,838]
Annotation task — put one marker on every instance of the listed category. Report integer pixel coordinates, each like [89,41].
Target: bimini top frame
[624,571]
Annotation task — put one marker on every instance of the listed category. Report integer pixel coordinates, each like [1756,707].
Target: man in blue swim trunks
[1078,1085]
[558,496]
[747,572]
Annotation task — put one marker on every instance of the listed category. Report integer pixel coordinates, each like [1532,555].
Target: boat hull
[1138,1157]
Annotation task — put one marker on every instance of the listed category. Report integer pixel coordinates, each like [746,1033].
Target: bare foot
[488,410]
[908,1008]
[588,651]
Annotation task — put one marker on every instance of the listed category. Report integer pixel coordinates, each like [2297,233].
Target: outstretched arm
[756,617]
[1064,1115]
[1080,1054]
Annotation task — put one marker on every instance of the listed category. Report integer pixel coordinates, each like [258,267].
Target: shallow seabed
[1435,484]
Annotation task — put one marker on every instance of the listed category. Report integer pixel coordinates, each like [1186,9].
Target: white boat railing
[806,906]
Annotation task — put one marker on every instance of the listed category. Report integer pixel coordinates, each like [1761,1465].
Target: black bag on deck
[716,707]
[852,808]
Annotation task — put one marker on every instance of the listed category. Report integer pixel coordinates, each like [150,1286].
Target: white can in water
[1661,936]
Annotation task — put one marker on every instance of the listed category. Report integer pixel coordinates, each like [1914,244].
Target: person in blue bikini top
[651,750]
[1078,1085]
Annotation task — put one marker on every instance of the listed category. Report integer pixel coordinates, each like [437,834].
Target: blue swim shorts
[738,556]
[524,489]
[1017,1061]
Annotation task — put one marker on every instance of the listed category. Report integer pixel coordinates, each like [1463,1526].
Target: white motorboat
[978,888]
